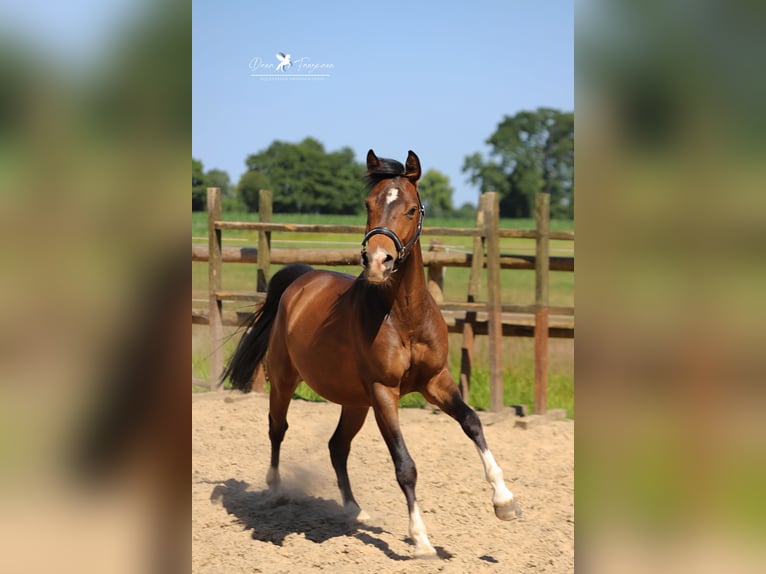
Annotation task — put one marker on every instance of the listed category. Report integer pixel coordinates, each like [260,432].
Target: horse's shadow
[272,517]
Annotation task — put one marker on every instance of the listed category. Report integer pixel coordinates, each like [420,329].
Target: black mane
[388,169]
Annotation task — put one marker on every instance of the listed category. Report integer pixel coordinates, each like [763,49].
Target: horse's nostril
[388,258]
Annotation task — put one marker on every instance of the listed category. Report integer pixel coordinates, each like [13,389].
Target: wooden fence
[462,317]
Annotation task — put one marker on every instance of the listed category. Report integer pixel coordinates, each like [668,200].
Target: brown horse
[364,342]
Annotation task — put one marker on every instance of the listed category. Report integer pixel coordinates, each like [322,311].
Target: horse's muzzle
[378,265]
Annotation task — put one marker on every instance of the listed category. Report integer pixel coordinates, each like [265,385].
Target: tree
[220,178]
[436,193]
[467,210]
[249,184]
[304,178]
[199,186]
[531,151]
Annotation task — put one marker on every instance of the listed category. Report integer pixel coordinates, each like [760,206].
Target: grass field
[517,287]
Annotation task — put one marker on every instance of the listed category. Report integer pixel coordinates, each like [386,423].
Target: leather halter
[402,251]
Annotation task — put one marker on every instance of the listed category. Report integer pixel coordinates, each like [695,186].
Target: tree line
[529,152]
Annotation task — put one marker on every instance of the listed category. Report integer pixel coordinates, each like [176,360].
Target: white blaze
[393,193]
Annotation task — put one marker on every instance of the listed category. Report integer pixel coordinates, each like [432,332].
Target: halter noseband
[402,251]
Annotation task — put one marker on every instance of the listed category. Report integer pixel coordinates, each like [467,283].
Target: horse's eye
[412,211]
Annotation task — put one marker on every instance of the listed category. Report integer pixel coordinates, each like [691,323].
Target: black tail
[252,346]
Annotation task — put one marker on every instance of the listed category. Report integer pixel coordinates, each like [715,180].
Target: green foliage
[306,393]
[466,211]
[201,180]
[531,151]
[199,186]
[233,204]
[247,189]
[413,400]
[436,193]
[479,393]
[304,178]
[220,178]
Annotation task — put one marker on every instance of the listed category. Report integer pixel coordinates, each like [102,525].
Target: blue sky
[436,79]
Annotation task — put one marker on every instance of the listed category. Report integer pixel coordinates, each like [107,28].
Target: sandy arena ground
[239,526]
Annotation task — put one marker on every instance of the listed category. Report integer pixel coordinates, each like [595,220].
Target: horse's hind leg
[351,421]
[442,392]
[283,380]
[277,428]
[386,407]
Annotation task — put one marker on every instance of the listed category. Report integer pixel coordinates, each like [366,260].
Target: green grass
[518,375]
[517,286]
[199,221]
[296,239]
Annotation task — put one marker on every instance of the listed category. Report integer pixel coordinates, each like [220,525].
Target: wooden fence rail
[469,318]
[350,256]
[455,324]
[360,229]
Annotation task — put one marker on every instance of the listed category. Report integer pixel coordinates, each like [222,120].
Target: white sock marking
[501,495]
[418,534]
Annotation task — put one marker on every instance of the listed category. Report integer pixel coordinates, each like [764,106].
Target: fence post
[265,207]
[264,239]
[435,280]
[474,280]
[214,285]
[494,304]
[542,215]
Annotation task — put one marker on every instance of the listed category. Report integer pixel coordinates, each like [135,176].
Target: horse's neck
[411,295]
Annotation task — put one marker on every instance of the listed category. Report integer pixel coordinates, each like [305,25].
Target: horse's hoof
[425,553]
[355,513]
[362,515]
[508,511]
[272,479]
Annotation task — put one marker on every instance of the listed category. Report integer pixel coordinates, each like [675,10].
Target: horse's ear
[372,162]
[412,167]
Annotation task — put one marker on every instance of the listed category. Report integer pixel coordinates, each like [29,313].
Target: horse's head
[394,215]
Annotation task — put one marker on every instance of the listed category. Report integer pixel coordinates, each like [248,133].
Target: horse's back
[314,293]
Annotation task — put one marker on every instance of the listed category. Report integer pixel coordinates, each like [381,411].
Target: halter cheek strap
[402,251]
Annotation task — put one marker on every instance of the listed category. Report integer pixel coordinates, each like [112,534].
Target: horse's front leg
[442,392]
[385,404]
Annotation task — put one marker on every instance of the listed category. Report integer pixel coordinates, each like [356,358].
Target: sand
[238,525]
